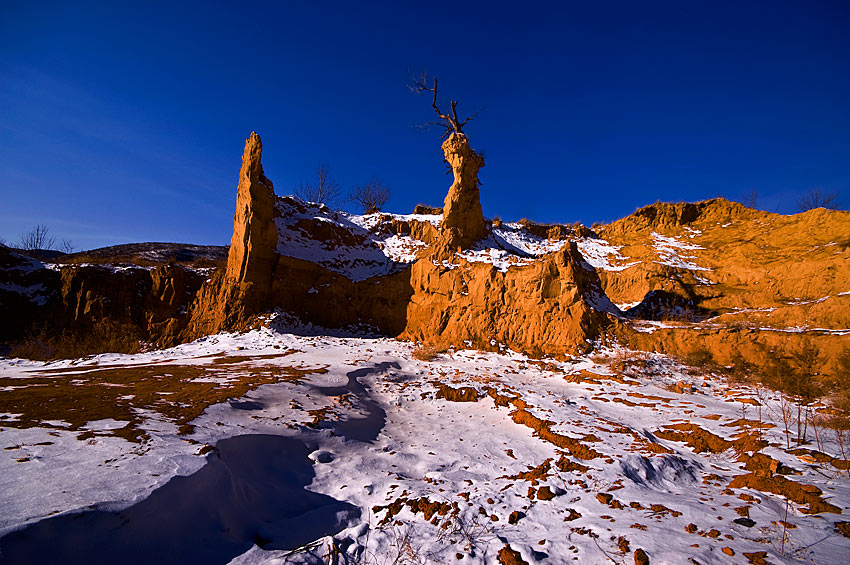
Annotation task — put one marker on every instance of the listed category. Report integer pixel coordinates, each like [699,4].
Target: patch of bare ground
[461,394]
[777,484]
[542,428]
[178,393]
[509,556]
[430,509]
[701,440]
[427,352]
[766,473]
[533,474]
[597,378]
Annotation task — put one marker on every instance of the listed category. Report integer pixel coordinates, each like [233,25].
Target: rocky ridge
[687,277]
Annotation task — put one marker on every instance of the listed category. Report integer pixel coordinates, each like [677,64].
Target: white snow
[350,248]
[437,449]
[668,249]
[599,254]
[35,293]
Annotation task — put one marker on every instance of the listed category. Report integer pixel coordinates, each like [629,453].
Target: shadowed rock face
[463,219]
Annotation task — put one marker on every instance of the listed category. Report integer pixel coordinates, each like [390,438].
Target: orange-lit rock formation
[463,220]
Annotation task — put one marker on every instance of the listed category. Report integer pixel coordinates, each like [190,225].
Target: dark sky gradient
[125,121]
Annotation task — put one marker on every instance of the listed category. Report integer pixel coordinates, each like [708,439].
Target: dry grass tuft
[427,352]
[105,336]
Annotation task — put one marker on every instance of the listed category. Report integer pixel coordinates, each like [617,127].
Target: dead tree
[448,121]
[324,191]
[371,197]
[816,198]
[37,239]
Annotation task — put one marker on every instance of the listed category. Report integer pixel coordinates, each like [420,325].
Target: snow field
[465,455]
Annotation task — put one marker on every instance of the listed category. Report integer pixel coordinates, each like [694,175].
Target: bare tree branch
[37,238]
[324,191]
[816,198]
[371,197]
[450,121]
[67,246]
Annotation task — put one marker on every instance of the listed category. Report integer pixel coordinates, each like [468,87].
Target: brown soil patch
[118,392]
[766,465]
[545,493]
[426,506]
[814,456]
[508,556]
[661,510]
[542,428]
[777,484]
[585,376]
[701,440]
[568,466]
[641,558]
[534,474]
[747,424]
[757,557]
[609,500]
[462,394]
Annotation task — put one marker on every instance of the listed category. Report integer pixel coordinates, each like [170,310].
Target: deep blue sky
[125,121]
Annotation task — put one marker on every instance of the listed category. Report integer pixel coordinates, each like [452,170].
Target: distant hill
[148,254]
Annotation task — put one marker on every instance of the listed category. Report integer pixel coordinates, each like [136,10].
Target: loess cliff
[710,278]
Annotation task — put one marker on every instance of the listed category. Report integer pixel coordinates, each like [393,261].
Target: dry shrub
[205,263]
[427,352]
[700,358]
[630,363]
[102,337]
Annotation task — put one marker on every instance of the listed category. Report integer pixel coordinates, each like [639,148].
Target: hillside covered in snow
[435,387]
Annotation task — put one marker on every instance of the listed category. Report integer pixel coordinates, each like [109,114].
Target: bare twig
[448,120]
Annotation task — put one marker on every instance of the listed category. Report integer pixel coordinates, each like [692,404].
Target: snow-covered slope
[351,245]
[589,459]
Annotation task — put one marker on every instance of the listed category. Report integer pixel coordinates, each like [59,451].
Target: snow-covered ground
[670,250]
[363,246]
[559,460]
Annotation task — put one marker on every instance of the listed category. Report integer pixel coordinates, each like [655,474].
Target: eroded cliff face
[252,248]
[735,262]
[229,299]
[463,219]
[36,300]
[709,276]
[554,305]
[401,276]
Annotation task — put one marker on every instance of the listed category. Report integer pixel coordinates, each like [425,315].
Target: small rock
[545,493]
[641,558]
[746,522]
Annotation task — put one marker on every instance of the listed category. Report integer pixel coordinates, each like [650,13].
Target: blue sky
[124,122]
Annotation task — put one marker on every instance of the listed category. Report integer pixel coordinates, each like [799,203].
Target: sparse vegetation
[449,121]
[105,336]
[817,198]
[67,246]
[427,352]
[750,199]
[322,191]
[38,238]
[371,197]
